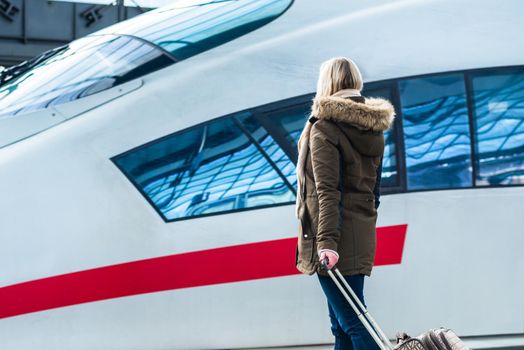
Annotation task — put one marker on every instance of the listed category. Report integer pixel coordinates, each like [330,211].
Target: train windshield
[82,68]
[130,49]
[189,27]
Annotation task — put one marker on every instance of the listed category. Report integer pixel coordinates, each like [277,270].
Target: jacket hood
[376,114]
[362,120]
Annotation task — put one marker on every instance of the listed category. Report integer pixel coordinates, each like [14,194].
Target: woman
[338,173]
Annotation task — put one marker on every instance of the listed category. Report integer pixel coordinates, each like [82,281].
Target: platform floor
[330,347]
[502,342]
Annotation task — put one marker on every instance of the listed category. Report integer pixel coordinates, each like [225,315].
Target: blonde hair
[336,74]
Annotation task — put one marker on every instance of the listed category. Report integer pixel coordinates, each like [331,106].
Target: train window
[436,132]
[286,125]
[187,28]
[389,162]
[498,100]
[289,122]
[273,150]
[82,68]
[208,169]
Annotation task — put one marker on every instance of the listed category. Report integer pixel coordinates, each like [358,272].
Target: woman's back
[339,171]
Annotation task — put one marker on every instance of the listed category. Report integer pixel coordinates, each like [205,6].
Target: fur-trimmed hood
[374,113]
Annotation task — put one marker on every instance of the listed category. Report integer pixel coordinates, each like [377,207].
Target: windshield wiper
[12,72]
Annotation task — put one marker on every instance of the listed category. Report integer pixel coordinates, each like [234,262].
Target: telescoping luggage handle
[372,327]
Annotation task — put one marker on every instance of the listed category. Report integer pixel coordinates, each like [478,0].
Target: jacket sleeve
[325,162]
[376,190]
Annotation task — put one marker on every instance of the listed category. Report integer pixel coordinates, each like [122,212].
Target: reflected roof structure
[82,68]
[188,27]
[131,49]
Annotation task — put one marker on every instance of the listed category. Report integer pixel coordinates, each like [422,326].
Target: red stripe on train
[213,266]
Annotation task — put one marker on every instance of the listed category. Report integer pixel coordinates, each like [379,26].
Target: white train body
[67,208]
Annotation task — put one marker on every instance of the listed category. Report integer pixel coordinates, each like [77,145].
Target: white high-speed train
[147,176]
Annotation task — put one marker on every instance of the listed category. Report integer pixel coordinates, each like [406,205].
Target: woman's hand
[331,256]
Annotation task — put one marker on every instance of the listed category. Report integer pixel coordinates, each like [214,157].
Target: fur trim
[375,113]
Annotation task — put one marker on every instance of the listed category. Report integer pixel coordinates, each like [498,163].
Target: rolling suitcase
[434,339]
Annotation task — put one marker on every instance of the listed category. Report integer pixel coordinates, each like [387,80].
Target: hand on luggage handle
[325,263]
[328,259]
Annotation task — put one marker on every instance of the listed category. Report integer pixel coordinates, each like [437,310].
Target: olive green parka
[339,152]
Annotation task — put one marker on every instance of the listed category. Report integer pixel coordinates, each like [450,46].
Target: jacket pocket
[305,251]
[306,247]
[360,205]
[312,213]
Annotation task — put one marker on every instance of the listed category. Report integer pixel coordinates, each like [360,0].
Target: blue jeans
[349,332]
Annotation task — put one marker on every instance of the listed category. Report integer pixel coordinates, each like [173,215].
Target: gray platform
[506,342]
